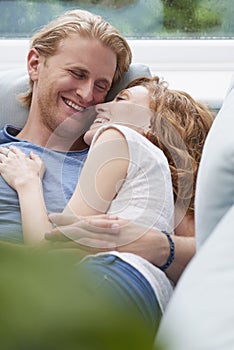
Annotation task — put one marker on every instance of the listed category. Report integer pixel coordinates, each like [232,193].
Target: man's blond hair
[84,24]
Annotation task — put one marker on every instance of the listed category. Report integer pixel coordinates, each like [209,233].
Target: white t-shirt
[146,198]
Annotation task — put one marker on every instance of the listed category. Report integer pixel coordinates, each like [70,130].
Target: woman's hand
[18,169]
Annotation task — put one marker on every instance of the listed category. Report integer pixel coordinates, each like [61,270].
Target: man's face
[78,76]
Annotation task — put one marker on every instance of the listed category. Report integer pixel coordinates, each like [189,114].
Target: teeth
[100,120]
[73,105]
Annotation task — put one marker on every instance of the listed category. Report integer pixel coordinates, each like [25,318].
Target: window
[158,19]
[188,42]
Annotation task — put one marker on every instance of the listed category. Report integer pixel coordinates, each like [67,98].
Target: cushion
[15,81]
[12,82]
[231,85]
[136,70]
[200,314]
[215,183]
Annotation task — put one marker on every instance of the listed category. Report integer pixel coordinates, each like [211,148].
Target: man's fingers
[56,236]
[62,219]
[100,226]
[81,236]
[92,223]
[95,232]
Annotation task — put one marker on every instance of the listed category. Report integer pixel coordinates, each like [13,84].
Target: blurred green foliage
[44,305]
[189,15]
[134,18]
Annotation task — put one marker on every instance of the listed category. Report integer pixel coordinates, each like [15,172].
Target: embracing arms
[95,233]
[92,195]
[103,233]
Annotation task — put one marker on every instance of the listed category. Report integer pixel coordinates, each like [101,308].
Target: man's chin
[87,114]
[88,136]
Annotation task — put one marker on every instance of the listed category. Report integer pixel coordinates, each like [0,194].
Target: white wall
[201,67]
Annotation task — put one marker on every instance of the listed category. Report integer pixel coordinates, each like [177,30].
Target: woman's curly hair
[179,127]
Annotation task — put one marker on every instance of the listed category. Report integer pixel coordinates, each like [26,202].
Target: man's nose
[85,91]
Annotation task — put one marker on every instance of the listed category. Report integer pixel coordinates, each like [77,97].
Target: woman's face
[129,108]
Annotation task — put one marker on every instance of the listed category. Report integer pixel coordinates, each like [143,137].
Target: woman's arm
[103,172]
[102,175]
[34,216]
[24,174]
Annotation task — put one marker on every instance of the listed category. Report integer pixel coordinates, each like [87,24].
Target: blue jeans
[127,286]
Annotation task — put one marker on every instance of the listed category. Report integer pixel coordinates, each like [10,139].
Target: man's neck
[47,139]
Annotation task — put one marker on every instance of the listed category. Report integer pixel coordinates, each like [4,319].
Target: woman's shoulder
[120,131]
[108,133]
[133,138]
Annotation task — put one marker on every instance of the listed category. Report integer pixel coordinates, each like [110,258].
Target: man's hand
[99,232]
[92,233]
[104,233]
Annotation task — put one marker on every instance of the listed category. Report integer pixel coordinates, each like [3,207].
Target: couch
[200,315]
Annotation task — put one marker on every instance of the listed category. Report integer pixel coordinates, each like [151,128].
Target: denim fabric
[127,287]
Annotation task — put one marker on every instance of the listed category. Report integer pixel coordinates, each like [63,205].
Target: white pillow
[12,82]
[215,183]
[200,315]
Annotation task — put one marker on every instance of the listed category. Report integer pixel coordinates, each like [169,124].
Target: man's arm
[153,245]
[104,233]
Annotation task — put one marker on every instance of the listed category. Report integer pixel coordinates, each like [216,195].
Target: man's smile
[73,105]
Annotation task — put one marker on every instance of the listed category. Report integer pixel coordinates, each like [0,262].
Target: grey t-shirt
[61,176]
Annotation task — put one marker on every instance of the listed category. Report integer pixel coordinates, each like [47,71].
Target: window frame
[203,68]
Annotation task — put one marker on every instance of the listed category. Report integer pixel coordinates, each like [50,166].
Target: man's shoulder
[8,134]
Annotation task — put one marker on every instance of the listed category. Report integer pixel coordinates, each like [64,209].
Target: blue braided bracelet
[172,252]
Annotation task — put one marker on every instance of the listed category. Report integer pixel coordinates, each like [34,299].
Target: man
[72,63]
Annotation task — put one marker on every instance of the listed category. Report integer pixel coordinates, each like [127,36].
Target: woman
[176,124]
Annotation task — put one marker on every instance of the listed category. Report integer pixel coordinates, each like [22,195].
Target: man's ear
[33,60]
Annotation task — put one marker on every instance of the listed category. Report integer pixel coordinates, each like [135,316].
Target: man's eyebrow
[83,70]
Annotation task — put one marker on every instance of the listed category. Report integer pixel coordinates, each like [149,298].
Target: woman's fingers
[11,152]
[4,150]
[16,150]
